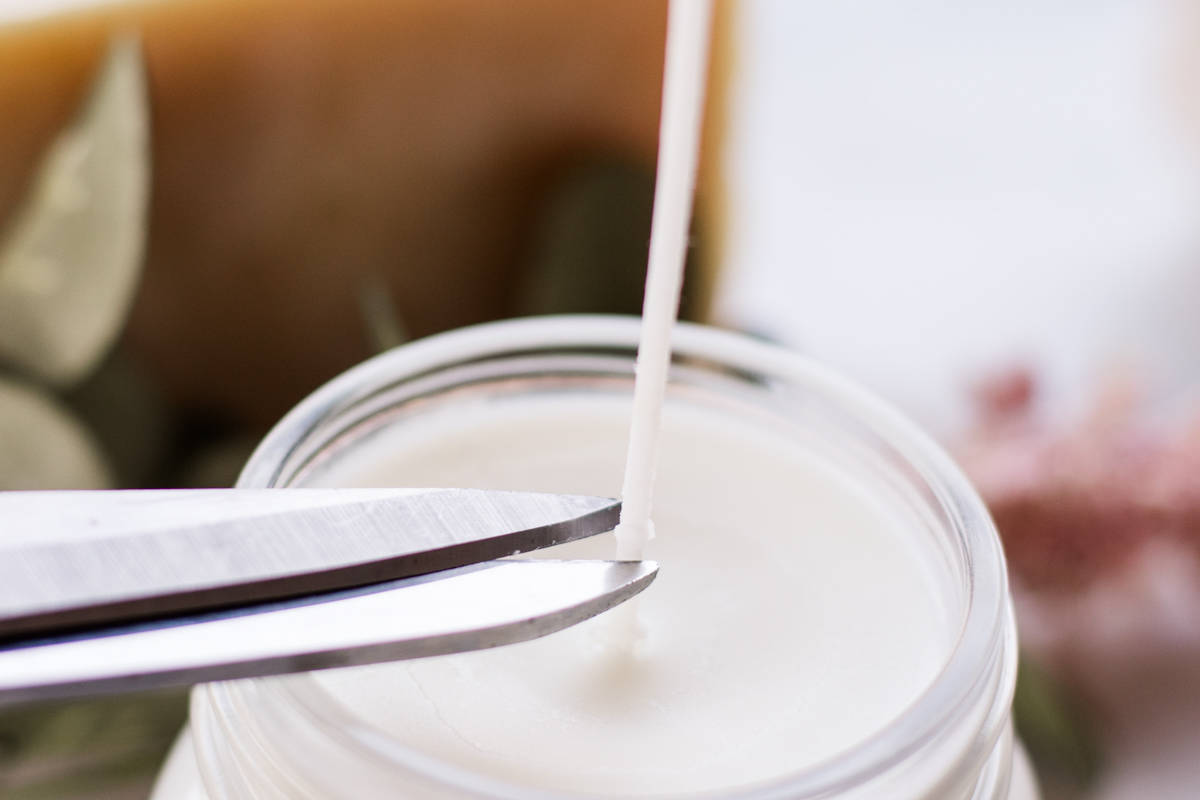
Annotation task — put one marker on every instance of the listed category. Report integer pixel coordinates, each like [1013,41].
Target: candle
[831,614]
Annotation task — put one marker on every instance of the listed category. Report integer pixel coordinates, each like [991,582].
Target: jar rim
[985,631]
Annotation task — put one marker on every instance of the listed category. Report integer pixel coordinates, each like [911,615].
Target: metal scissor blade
[98,558]
[470,608]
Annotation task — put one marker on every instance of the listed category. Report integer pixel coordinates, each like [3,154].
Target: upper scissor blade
[89,558]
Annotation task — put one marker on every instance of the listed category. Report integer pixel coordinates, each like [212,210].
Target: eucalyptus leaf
[71,255]
[101,749]
[42,446]
[589,253]
[1056,731]
[381,320]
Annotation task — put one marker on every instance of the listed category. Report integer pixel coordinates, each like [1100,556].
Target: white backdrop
[925,190]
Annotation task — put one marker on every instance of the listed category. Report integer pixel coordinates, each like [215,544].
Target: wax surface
[791,617]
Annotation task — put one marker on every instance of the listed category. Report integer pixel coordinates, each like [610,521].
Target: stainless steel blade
[70,559]
[470,608]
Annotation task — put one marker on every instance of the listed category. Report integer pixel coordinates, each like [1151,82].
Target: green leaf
[71,256]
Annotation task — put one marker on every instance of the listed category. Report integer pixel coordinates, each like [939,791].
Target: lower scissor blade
[470,608]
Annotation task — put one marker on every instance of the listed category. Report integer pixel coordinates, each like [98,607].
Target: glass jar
[288,737]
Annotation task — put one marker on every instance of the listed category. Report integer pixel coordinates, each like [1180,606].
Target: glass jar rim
[985,629]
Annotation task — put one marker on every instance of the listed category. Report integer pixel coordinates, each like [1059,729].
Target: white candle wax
[792,617]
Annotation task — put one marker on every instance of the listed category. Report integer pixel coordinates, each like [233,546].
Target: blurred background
[987,212]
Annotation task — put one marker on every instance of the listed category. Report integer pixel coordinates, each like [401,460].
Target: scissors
[109,591]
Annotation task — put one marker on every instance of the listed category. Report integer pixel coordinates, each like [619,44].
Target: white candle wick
[684,76]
